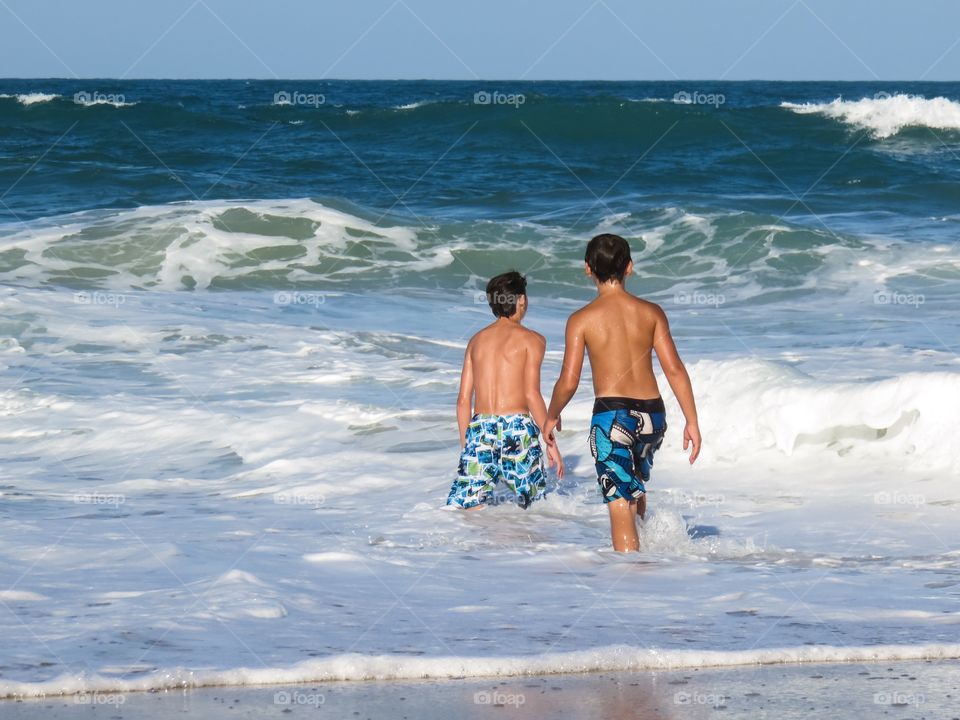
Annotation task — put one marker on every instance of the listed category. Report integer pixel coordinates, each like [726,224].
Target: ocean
[233,320]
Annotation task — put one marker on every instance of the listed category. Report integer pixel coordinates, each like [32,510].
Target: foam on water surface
[190,487]
[885,115]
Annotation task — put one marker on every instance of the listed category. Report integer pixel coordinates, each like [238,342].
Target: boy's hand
[548,427]
[554,459]
[691,436]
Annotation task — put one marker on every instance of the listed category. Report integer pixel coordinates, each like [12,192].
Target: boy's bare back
[504,362]
[619,332]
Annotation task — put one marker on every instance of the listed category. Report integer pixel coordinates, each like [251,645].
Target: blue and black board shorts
[624,435]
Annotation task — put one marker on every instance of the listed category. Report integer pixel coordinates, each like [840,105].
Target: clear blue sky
[490,39]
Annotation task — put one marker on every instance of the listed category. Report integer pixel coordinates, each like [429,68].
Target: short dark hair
[608,256]
[504,291]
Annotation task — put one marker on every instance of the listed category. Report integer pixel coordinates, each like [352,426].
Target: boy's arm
[465,396]
[676,374]
[569,379]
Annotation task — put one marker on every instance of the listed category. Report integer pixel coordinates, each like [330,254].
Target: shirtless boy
[619,331]
[500,409]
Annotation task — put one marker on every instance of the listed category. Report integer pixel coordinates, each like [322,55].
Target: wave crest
[886,115]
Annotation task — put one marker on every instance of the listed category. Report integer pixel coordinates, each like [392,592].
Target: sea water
[230,345]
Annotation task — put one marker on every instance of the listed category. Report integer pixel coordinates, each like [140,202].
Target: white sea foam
[104,101]
[360,667]
[886,115]
[413,105]
[189,470]
[32,98]
[200,482]
[776,406]
[199,245]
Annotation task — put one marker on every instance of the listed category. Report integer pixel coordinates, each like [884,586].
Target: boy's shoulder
[530,337]
[595,306]
[596,312]
[517,334]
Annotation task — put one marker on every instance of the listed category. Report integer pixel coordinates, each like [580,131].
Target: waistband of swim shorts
[607,404]
[492,416]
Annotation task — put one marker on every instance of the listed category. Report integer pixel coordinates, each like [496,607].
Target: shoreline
[359,669]
[864,691]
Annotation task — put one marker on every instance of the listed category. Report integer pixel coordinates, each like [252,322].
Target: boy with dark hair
[500,409]
[621,332]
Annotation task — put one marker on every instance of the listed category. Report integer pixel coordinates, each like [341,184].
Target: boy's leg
[623,525]
[643,449]
[475,472]
[522,461]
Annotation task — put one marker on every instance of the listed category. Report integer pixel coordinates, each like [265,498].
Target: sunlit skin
[621,332]
[501,376]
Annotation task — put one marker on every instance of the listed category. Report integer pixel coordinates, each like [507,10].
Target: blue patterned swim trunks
[499,447]
[624,434]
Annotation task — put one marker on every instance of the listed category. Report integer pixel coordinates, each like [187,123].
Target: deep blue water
[571,150]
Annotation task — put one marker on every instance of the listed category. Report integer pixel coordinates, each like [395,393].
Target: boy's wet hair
[608,256]
[504,292]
